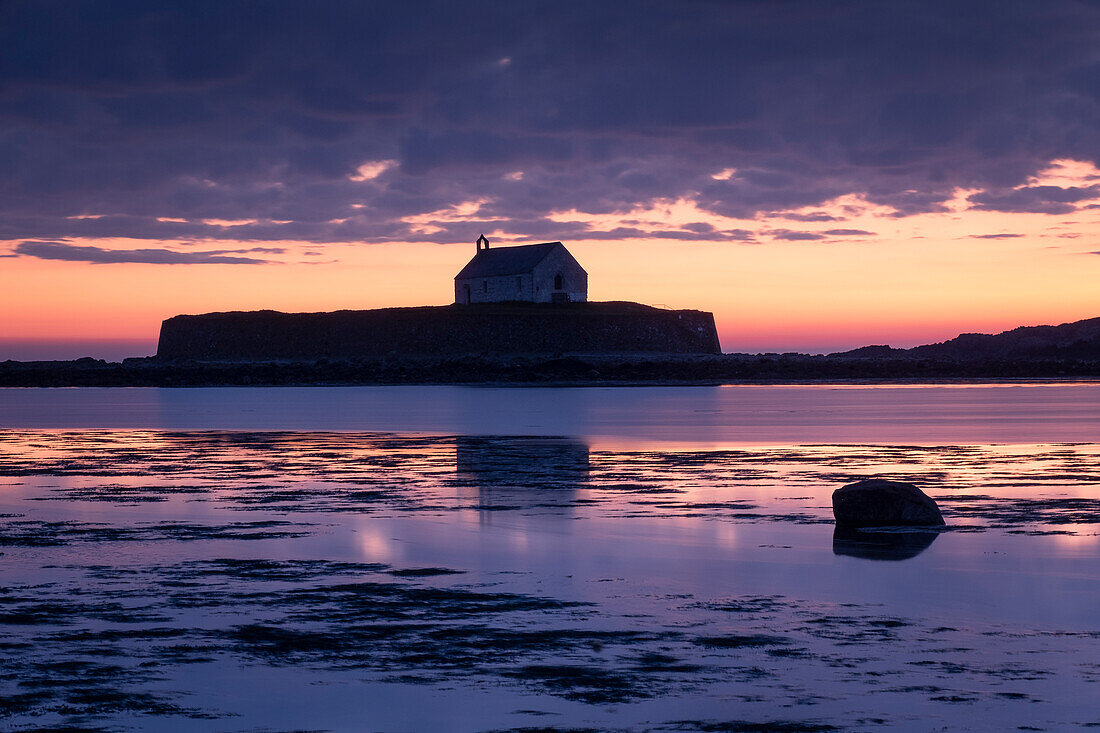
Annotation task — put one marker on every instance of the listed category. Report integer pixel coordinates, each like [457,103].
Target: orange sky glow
[901,281]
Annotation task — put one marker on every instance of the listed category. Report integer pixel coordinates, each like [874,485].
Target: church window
[484,286]
[557,281]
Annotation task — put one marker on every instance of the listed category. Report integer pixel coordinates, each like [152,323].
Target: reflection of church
[522,473]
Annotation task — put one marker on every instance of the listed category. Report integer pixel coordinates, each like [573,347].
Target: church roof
[506,260]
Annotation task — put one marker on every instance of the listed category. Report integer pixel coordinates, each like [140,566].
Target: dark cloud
[1035,199]
[99,255]
[849,233]
[221,109]
[995,236]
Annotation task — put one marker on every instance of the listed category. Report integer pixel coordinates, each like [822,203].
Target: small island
[485,329]
[526,300]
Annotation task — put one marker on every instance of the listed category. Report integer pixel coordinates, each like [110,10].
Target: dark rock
[881,503]
[449,331]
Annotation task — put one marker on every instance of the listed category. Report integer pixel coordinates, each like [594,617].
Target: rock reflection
[881,544]
[523,473]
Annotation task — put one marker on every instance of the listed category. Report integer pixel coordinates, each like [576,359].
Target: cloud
[791,236]
[336,122]
[995,236]
[1035,199]
[372,169]
[812,216]
[99,255]
[849,233]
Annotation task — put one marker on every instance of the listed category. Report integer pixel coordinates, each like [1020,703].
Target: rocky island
[516,329]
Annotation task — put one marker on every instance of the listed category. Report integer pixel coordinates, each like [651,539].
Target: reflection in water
[881,545]
[761,414]
[522,472]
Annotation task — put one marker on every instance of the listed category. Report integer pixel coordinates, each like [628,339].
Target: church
[535,273]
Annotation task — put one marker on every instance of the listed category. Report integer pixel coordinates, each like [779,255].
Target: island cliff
[526,329]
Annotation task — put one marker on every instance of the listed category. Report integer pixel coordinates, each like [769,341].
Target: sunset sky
[819,175]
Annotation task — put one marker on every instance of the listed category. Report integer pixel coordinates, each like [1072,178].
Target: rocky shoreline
[560,370]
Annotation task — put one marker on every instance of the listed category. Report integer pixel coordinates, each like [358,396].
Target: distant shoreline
[564,370]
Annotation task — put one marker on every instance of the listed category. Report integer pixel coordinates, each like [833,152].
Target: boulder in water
[880,503]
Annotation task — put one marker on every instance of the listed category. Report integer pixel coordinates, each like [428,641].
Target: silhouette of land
[1079,340]
[508,328]
[1067,351]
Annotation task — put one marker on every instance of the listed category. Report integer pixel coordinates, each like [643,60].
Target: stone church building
[536,273]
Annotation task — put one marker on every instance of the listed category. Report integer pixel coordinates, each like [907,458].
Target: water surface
[989,413]
[471,559]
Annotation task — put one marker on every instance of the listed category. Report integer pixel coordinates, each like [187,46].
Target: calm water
[439,558]
[713,415]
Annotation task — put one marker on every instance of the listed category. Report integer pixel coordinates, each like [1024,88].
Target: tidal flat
[642,575]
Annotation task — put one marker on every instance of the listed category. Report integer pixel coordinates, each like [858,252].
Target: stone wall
[495,289]
[574,278]
[454,330]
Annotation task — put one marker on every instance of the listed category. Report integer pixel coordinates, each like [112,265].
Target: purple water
[471,559]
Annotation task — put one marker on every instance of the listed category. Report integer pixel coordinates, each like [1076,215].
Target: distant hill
[1077,340]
